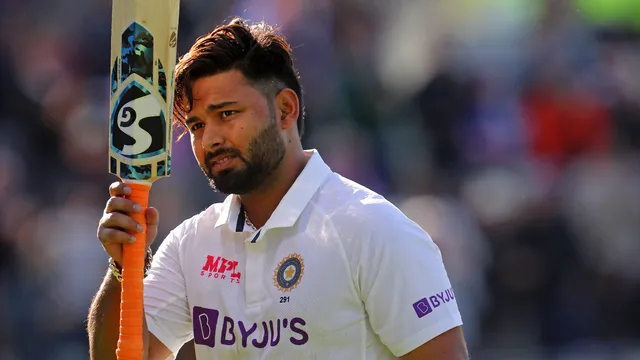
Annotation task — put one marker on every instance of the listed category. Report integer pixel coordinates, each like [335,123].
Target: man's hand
[117,225]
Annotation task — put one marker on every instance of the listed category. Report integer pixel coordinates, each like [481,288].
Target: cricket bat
[143,58]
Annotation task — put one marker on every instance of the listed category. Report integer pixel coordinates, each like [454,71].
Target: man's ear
[287,104]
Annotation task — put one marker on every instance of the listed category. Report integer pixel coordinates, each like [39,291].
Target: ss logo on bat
[138,129]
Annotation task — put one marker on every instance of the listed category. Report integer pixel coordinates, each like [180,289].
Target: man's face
[235,135]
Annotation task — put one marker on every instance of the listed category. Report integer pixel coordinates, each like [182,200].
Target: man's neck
[262,202]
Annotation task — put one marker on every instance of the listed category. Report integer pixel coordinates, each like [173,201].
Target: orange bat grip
[130,341]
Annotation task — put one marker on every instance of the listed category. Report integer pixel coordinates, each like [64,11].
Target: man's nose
[211,138]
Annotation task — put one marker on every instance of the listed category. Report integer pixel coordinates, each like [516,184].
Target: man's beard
[265,154]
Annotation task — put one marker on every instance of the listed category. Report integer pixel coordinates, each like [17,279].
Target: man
[298,262]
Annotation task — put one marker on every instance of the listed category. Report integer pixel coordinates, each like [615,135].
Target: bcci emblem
[288,273]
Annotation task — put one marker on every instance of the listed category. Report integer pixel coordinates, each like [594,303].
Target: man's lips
[221,162]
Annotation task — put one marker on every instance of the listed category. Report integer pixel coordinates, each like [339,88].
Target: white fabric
[372,284]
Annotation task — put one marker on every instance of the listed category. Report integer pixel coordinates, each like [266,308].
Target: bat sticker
[133,172]
[164,167]
[139,132]
[114,76]
[137,52]
[162,81]
[138,124]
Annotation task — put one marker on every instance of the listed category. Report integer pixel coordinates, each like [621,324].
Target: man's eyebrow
[213,107]
[218,106]
[190,120]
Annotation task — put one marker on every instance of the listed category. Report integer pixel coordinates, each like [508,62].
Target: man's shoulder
[349,202]
[367,222]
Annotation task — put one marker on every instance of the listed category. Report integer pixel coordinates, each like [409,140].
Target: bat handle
[130,340]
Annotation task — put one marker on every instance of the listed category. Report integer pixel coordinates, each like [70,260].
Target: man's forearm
[104,320]
[103,324]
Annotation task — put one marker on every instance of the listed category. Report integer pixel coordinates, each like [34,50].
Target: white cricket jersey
[337,272]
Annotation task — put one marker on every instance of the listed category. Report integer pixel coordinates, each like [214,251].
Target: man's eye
[196,126]
[227,113]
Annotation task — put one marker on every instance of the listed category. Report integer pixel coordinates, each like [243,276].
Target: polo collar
[290,207]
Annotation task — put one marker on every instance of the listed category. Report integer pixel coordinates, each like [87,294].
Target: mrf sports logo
[426,306]
[218,267]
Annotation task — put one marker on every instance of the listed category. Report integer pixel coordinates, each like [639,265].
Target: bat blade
[143,56]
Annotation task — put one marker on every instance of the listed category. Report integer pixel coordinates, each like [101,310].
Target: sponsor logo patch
[218,267]
[427,305]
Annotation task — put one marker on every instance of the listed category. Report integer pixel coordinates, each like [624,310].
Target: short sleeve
[404,285]
[165,295]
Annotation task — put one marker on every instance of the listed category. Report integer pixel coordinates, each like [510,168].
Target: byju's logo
[210,328]
[217,267]
[422,307]
[426,306]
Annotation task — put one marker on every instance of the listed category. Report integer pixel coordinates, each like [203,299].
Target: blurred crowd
[508,129]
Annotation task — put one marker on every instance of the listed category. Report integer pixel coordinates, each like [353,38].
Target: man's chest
[276,295]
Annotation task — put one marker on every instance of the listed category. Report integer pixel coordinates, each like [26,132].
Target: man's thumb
[153,217]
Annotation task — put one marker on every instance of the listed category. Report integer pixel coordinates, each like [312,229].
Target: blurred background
[509,129]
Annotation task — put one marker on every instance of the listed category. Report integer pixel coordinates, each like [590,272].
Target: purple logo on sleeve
[426,306]
[422,307]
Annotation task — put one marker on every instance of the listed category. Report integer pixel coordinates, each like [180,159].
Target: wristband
[116,269]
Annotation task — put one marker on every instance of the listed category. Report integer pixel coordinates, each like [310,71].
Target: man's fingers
[152,216]
[119,189]
[117,227]
[120,221]
[122,205]
[110,236]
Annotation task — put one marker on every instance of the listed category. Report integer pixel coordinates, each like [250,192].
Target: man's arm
[165,281]
[446,346]
[104,323]
[405,287]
